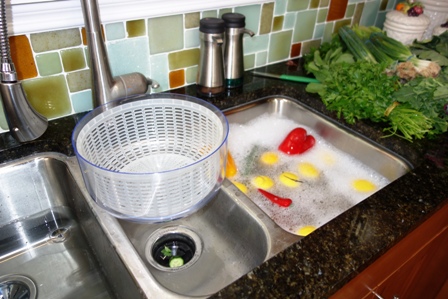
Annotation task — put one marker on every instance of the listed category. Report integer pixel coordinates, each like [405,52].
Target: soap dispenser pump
[210,79]
[233,48]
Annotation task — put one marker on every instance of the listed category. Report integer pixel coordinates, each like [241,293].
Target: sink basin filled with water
[322,180]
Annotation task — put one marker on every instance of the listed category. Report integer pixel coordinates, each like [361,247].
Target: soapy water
[316,200]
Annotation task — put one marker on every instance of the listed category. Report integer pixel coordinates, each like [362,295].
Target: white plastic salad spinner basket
[152,158]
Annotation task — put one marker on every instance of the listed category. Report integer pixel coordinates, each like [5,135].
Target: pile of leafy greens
[363,90]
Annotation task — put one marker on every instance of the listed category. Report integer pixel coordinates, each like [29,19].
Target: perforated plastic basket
[152,158]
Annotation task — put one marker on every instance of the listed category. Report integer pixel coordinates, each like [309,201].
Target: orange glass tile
[337,10]
[177,78]
[22,56]
[84,35]
[295,50]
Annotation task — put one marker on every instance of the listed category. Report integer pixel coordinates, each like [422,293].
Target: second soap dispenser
[233,48]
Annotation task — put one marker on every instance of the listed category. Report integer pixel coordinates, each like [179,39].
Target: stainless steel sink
[54,236]
[49,237]
[230,236]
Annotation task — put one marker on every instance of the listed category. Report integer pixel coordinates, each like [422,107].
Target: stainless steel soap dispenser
[233,48]
[210,79]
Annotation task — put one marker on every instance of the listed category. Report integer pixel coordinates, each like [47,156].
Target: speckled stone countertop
[321,263]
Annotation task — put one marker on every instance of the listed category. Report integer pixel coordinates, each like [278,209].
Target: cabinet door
[417,267]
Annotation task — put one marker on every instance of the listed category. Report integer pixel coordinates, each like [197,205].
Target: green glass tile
[369,13]
[3,121]
[191,75]
[129,55]
[82,101]
[192,20]
[54,40]
[278,23]
[290,20]
[80,80]
[73,59]
[322,15]
[49,63]
[319,31]
[297,5]
[192,38]
[326,3]
[380,19]
[184,58]
[136,28]
[279,46]
[223,11]
[328,33]
[159,70]
[314,4]
[304,27]
[252,14]
[210,14]
[249,62]
[256,43]
[49,96]
[350,11]
[166,34]
[261,58]
[308,45]
[115,31]
[280,7]
[267,12]
[391,4]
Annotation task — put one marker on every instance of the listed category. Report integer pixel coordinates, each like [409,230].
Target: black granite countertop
[321,263]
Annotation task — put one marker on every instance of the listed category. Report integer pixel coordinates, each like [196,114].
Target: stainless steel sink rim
[172,230]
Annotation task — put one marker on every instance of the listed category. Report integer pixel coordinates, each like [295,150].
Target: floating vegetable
[231,169]
[297,142]
[283,202]
[175,261]
[262,181]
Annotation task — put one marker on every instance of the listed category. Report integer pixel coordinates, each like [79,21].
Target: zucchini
[355,44]
[176,262]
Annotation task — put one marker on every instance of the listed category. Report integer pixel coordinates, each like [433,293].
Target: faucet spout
[25,123]
[106,88]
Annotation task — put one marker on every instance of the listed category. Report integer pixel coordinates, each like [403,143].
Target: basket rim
[168,96]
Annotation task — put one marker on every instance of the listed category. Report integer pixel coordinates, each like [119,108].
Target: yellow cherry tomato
[263,182]
[289,179]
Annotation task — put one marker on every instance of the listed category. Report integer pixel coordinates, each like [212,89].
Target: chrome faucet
[25,123]
[106,88]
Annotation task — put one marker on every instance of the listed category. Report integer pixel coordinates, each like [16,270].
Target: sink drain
[17,287]
[59,235]
[173,248]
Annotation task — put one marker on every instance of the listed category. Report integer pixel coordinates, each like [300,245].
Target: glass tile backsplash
[55,73]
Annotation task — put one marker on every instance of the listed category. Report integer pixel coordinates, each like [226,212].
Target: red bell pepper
[297,142]
[283,202]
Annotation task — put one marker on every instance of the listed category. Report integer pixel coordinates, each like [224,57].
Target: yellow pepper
[231,169]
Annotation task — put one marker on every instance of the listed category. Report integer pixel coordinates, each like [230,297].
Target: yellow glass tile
[267,13]
[184,58]
[177,78]
[278,23]
[192,20]
[54,40]
[22,56]
[49,96]
[80,80]
[136,28]
[73,59]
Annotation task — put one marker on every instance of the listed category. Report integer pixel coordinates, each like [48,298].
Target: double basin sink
[56,243]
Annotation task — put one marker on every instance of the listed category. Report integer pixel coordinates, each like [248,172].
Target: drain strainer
[173,248]
[17,287]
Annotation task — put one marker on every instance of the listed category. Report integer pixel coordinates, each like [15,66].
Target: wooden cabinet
[417,267]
